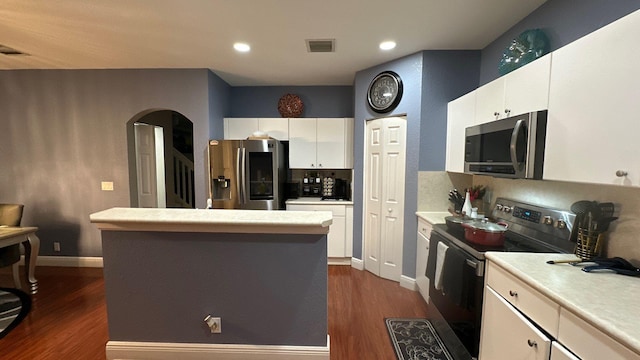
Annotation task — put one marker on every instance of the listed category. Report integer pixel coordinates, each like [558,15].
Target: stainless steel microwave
[511,147]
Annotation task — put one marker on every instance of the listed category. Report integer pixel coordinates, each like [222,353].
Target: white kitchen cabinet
[594,122]
[348,237]
[523,90]
[338,235]
[460,114]
[322,143]
[241,128]
[559,352]
[507,334]
[422,254]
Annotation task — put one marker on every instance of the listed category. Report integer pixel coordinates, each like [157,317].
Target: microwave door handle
[514,144]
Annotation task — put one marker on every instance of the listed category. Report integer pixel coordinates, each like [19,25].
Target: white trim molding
[408,283]
[188,351]
[357,264]
[68,261]
[338,261]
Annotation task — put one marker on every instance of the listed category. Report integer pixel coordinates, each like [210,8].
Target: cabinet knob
[532,343]
[507,111]
[513,293]
[312,165]
[319,165]
[621,173]
[496,114]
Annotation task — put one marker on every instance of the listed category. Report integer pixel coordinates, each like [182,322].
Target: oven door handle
[478,265]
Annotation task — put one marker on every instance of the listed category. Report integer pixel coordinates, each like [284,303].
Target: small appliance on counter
[335,189]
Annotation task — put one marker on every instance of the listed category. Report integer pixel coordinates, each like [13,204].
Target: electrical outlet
[214,323]
[107,185]
[56,246]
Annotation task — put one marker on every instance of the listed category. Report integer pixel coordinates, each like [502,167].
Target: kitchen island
[264,273]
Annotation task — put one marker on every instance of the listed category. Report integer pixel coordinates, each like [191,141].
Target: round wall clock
[385,92]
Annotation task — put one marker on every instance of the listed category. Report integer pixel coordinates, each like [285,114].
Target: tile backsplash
[623,238]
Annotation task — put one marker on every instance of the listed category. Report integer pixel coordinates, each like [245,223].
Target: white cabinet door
[559,352]
[594,122]
[527,88]
[348,236]
[506,334]
[422,253]
[334,147]
[277,128]
[460,114]
[336,238]
[240,128]
[490,101]
[302,143]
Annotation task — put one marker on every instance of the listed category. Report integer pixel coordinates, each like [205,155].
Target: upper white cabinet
[321,143]
[241,128]
[594,121]
[460,114]
[523,90]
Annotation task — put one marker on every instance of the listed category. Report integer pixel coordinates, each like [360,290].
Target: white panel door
[490,101]
[527,88]
[146,165]
[384,177]
[277,128]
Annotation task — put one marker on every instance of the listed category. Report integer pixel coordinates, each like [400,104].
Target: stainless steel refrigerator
[247,174]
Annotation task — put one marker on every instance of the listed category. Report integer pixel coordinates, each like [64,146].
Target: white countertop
[608,301]
[317,201]
[433,217]
[213,220]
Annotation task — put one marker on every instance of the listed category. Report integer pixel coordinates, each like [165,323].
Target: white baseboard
[339,261]
[357,264]
[187,351]
[408,283]
[68,261]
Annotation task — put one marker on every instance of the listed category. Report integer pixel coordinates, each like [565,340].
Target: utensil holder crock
[589,244]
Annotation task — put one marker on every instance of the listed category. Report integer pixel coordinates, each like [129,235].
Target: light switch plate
[107,186]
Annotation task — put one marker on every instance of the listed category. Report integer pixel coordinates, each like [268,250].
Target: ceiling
[81,34]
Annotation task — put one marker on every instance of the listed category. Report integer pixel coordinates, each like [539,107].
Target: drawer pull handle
[532,343]
[513,293]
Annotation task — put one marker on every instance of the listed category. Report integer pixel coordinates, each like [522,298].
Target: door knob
[390,210]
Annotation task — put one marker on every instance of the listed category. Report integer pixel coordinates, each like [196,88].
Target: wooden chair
[11,215]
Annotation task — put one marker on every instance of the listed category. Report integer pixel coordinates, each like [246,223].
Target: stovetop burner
[532,228]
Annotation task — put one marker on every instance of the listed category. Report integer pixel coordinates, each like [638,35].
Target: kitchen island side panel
[269,289]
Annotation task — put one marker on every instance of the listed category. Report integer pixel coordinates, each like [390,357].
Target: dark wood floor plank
[68,319]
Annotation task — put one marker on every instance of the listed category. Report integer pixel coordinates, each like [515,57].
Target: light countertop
[608,301]
[433,217]
[317,201]
[213,220]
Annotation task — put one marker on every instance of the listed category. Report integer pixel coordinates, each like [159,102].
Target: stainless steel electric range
[457,313]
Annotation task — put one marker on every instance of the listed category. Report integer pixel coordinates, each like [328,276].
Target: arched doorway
[160,152]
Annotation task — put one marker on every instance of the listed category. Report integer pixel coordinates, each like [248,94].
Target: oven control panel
[526,214]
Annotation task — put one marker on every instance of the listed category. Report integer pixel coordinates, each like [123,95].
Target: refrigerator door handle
[238,178]
[244,176]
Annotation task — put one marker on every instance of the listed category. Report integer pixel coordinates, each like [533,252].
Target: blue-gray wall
[269,289]
[563,21]
[319,101]
[446,75]
[64,131]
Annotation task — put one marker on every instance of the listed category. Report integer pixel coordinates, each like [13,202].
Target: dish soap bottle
[466,208]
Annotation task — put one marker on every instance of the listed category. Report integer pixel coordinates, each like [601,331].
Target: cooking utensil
[581,207]
[616,264]
[572,262]
[484,232]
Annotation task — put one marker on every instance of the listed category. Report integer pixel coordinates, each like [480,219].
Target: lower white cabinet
[340,236]
[559,352]
[507,334]
[422,254]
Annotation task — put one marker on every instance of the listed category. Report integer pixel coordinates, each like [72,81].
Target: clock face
[385,92]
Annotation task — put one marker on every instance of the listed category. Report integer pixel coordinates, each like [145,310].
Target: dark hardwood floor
[68,319]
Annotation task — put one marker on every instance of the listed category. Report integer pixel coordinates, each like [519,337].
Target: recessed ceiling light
[242,47]
[387,45]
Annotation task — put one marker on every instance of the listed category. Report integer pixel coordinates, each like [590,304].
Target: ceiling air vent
[5,50]
[326,45]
